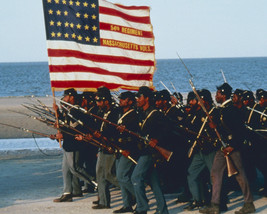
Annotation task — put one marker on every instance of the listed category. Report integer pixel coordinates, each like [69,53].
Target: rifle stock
[166,154]
[230,166]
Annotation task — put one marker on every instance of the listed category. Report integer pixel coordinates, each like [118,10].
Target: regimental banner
[93,43]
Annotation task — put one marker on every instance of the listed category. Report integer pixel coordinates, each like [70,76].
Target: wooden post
[56,113]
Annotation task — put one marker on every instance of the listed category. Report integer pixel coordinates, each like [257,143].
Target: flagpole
[56,114]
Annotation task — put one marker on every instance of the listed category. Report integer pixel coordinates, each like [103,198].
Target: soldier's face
[159,104]
[69,99]
[124,102]
[219,97]
[141,101]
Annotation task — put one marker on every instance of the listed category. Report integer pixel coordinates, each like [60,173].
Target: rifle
[259,112]
[165,153]
[230,166]
[223,76]
[26,130]
[108,148]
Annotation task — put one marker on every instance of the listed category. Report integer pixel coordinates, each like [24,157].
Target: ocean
[32,78]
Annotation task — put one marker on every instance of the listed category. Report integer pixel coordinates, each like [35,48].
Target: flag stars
[67,24]
[94,28]
[80,38]
[73,35]
[85,4]
[95,40]
[70,2]
[49,1]
[66,35]
[78,15]
[57,1]
[86,16]
[50,12]
[86,27]
[77,3]
[78,26]
[51,23]
[59,24]
[71,25]
[58,12]
[66,13]
[87,39]
[93,5]
[93,16]
[64,2]
[59,34]
[53,34]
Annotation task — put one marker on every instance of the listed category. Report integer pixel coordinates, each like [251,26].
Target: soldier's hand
[88,137]
[59,135]
[227,150]
[97,134]
[78,137]
[52,136]
[153,143]
[212,125]
[121,128]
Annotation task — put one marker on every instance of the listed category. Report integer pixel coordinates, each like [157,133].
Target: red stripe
[133,7]
[89,85]
[113,12]
[95,70]
[108,27]
[99,58]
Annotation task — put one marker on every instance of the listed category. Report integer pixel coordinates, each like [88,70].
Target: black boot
[212,209]
[194,205]
[247,208]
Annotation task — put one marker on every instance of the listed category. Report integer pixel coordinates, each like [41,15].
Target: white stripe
[119,21]
[110,67]
[136,12]
[99,50]
[95,77]
[126,38]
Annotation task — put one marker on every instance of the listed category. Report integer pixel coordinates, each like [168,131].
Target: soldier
[88,152]
[105,167]
[203,152]
[172,173]
[237,98]
[231,127]
[71,164]
[128,143]
[151,125]
[256,146]
[262,97]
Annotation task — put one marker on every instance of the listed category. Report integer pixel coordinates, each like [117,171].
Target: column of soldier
[150,139]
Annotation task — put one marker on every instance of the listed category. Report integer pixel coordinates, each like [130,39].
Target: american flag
[93,43]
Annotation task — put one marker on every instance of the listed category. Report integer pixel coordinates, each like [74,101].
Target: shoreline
[30,183]
[8,108]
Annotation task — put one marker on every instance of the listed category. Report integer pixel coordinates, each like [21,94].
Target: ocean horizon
[32,78]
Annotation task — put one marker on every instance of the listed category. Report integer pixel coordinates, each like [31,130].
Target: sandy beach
[30,180]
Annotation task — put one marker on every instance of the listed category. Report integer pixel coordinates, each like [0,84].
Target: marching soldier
[151,125]
[256,143]
[105,167]
[202,151]
[71,165]
[128,143]
[172,173]
[231,128]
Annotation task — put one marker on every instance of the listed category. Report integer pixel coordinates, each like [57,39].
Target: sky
[192,28]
